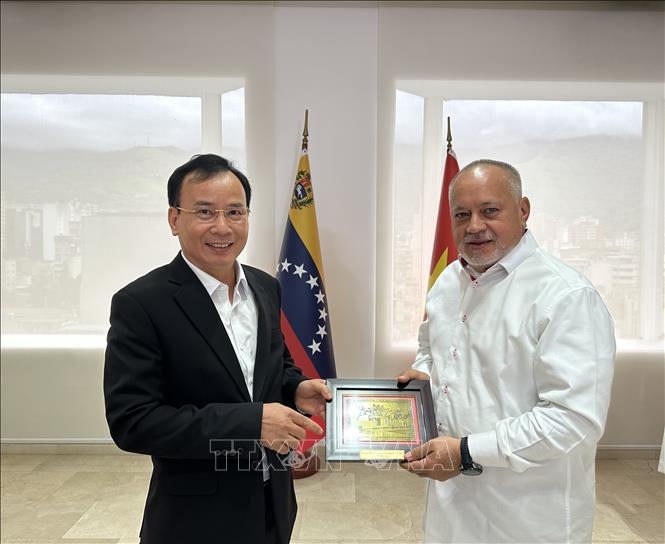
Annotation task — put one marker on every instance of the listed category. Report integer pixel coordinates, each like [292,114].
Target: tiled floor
[98,498]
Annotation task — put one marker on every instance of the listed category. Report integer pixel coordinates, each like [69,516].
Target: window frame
[209,89]
[436,92]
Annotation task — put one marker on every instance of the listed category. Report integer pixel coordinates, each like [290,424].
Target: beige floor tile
[611,527]
[356,541]
[30,487]
[33,525]
[389,484]
[11,462]
[653,464]
[105,463]
[331,522]
[109,519]
[326,487]
[98,499]
[647,521]
[640,488]
[91,487]
[623,466]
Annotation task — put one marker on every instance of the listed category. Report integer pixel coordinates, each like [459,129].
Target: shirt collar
[211,283]
[526,247]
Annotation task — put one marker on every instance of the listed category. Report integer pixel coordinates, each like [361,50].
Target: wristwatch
[468,468]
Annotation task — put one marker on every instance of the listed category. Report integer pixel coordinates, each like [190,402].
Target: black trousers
[272,536]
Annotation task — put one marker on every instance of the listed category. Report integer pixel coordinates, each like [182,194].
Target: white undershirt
[240,319]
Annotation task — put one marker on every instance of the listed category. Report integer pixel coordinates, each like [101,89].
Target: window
[585,167]
[84,198]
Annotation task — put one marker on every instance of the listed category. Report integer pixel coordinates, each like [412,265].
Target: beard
[482,259]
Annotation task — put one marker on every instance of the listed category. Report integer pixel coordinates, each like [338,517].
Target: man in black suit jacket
[197,375]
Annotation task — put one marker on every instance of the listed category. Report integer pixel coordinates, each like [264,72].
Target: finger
[402,378]
[296,430]
[418,452]
[417,466]
[322,386]
[293,443]
[325,390]
[309,425]
[276,445]
[318,387]
[284,448]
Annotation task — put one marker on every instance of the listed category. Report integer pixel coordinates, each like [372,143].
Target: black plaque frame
[345,439]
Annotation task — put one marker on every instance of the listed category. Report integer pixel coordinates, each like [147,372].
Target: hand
[311,397]
[411,374]
[282,428]
[439,459]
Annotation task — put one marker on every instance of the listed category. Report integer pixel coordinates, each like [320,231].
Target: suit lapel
[199,308]
[262,358]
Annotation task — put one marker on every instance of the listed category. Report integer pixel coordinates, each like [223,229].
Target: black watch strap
[469,468]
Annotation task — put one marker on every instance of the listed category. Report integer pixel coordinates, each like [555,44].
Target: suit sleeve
[137,410]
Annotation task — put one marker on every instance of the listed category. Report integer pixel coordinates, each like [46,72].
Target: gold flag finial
[305,133]
[449,137]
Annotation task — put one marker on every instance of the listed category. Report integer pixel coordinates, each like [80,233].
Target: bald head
[512,176]
[488,212]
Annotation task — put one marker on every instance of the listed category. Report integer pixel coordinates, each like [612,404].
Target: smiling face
[211,246]
[488,221]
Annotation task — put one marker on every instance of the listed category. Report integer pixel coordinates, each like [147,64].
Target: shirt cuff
[422,367]
[484,449]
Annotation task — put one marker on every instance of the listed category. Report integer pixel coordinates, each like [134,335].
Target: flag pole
[449,138]
[444,250]
[304,460]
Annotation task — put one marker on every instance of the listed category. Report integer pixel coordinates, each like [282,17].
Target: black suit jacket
[174,390]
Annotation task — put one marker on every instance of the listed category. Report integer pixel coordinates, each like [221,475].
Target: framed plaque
[377,420]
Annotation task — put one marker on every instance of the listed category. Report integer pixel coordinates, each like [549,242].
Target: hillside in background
[599,176]
[131,179]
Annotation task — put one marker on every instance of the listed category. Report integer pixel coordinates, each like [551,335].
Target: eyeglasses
[208,215]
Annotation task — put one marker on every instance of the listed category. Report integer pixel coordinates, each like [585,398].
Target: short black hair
[204,167]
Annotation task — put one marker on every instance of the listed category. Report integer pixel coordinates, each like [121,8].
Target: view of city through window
[83,208]
[582,168]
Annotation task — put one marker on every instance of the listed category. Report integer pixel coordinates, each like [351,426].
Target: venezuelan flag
[305,319]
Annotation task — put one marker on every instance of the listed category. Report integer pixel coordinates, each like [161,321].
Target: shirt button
[445,389]
[464,318]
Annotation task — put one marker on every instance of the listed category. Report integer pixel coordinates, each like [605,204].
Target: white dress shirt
[240,319]
[521,360]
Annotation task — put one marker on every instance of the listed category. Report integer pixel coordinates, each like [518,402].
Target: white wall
[326,61]
[341,63]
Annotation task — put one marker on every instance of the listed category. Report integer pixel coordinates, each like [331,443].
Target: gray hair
[512,175]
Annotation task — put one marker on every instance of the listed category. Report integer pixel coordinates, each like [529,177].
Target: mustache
[478,238]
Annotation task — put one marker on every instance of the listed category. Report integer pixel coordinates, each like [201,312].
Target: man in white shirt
[520,350]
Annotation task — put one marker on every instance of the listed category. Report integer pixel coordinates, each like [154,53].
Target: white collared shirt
[521,362]
[240,317]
